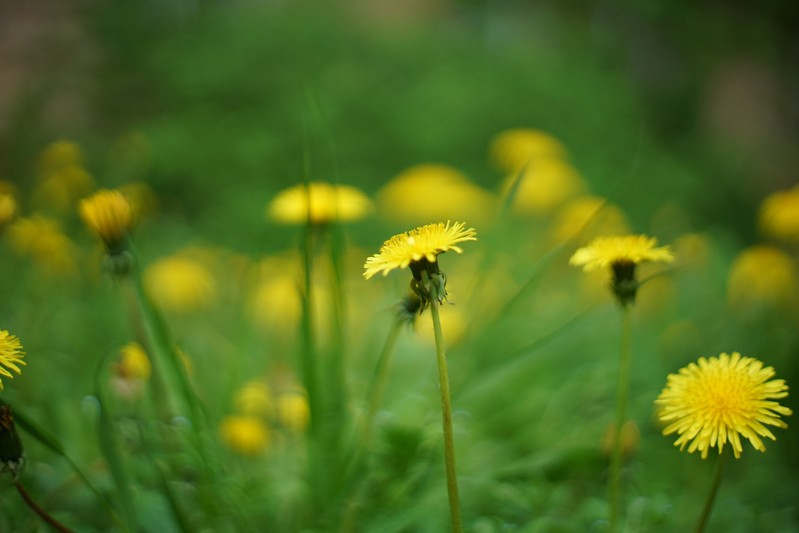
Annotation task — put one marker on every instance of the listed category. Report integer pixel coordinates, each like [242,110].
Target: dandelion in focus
[11,355]
[320,202]
[720,400]
[419,249]
[245,435]
[622,254]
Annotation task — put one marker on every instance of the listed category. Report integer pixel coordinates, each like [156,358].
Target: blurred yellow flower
[11,355]
[41,239]
[60,154]
[133,362]
[512,149]
[108,214]
[630,439]
[255,399]
[612,251]
[275,302]
[61,188]
[328,203]
[245,435]
[588,217]
[140,198]
[180,284]
[432,191]
[544,185]
[722,399]
[779,215]
[761,277]
[8,209]
[292,411]
[693,249]
[419,245]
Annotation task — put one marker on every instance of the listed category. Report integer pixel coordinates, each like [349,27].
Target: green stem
[378,384]
[614,480]
[711,497]
[446,410]
[44,515]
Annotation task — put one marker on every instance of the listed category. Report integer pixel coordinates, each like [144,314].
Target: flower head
[608,251]
[779,215]
[321,202]
[41,239]
[621,254]
[720,400]
[432,191]
[180,284]
[107,213]
[512,149]
[10,355]
[418,245]
[244,434]
[761,278]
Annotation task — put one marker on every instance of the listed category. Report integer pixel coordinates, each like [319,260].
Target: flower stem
[446,412]
[44,515]
[711,497]
[614,480]
[379,382]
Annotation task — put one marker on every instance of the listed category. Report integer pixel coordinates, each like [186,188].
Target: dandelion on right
[720,400]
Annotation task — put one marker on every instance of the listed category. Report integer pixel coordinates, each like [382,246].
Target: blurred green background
[684,114]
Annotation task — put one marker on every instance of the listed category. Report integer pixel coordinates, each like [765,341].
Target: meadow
[254,255]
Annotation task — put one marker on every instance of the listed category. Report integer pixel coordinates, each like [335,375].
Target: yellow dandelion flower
[180,284]
[133,362]
[10,355]
[41,239]
[61,188]
[720,400]
[544,186]
[107,213]
[293,411]
[589,217]
[762,277]
[328,203]
[512,149]
[621,254]
[419,245]
[605,252]
[432,191]
[8,208]
[254,398]
[59,154]
[245,435]
[779,215]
